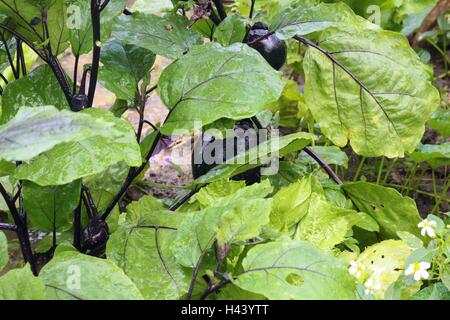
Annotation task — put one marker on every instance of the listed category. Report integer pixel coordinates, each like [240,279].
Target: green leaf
[71,161]
[123,67]
[258,155]
[440,121]
[435,155]
[388,97]
[305,17]
[71,275]
[325,225]
[387,206]
[295,270]
[144,252]
[51,207]
[233,82]
[167,36]
[6,168]
[290,204]
[208,195]
[230,30]
[4,257]
[23,20]
[19,141]
[384,263]
[21,284]
[32,91]
[79,23]
[231,219]
[152,6]
[436,291]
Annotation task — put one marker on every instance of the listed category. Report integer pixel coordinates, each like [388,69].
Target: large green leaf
[141,247]
[4,257]
[21,284]
[35,130]
[387,206]
[79,23]
[123,67]
[295,270]
[258,155]
[326,225]
[39,88]
[26,18]
[71,275]
[70,161]
[212,82]
[167,36]
[229,220]
[384,94]
[51,207]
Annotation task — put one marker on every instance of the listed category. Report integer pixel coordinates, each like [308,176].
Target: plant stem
[75,73]
[8,227]
[220,9]
[22,229]
[323,164]
[358,171]
[380,170]
[442,197]
[95,17]
[252,9]
[77,225]
[389,170]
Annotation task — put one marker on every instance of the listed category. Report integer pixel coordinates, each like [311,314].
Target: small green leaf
[123,67]
[230,30]
[387,206]
[79,23]
[51,207]
[440,121]
[325,225]
[435,155]
[330,154]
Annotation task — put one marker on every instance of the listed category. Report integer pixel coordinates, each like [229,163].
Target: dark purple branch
[220,9]
[95,16]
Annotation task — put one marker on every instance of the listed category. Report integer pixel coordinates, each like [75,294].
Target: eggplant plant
[236,231]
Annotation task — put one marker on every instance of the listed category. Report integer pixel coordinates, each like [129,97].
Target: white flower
[158,161]
[356,268]
[427,227]
[371,286]
[419,270]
